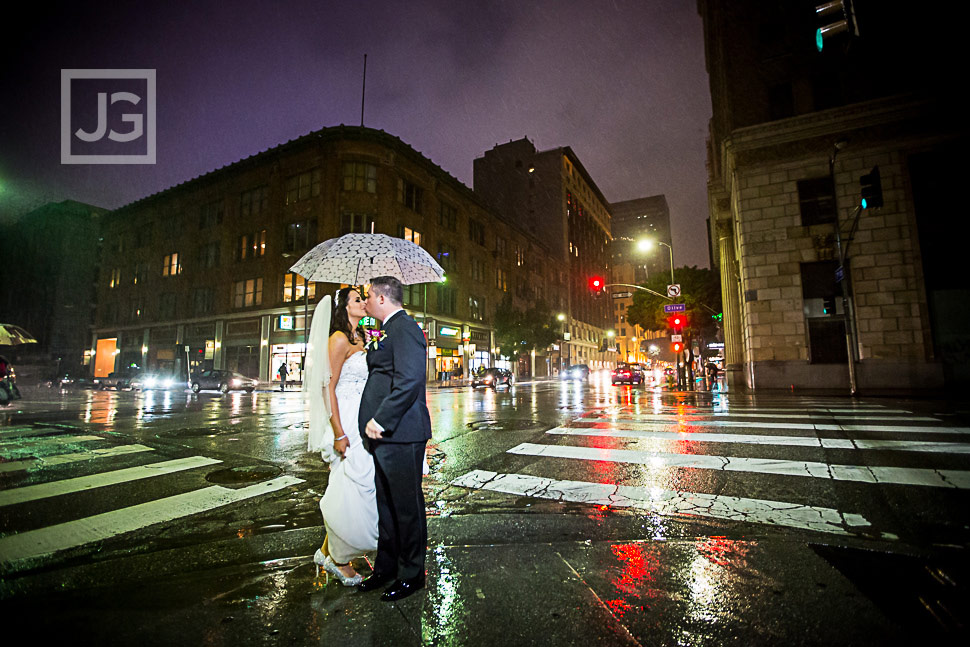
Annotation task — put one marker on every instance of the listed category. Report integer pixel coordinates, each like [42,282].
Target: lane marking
[669,502]
[791,441]
[700,424]
[81,483]
[47,541]
[859,473]
[21,431]
[701,416]
[23,443]
[61,459]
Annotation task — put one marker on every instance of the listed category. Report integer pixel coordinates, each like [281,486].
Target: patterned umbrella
[355,259]
[11,335]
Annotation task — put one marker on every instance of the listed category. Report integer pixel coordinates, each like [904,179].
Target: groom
[394,417]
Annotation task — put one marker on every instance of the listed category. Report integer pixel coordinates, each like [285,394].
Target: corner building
[197,275]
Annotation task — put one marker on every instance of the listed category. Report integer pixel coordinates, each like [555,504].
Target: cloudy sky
[620,81]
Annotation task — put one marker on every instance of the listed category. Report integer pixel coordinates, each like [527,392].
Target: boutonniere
[373,338]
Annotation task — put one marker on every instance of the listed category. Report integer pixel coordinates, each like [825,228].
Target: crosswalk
[34,462]
[677,460]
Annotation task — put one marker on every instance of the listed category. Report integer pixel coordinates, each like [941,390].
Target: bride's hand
[340,446]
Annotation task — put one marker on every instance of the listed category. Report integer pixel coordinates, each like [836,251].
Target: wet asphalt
[504,568]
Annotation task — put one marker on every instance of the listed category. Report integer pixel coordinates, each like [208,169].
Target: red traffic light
[677,346]
[597,283]
[677,322]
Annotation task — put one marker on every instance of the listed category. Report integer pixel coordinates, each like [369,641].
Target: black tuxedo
[394,396]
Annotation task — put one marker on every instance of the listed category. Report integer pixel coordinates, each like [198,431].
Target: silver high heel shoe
[330,568]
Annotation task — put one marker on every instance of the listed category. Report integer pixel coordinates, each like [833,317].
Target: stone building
[553,197]
[793,131]
[197,275]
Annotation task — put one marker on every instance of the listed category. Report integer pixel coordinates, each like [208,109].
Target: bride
[336,374]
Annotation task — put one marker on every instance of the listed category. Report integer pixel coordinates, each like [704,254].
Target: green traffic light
[864,204]
[819,40]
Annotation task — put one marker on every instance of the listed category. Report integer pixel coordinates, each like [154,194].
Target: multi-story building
[635,221]
[554,198]
[198,275]
[794,130]
[50,264]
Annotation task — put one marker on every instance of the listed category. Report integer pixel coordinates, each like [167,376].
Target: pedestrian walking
[284,371]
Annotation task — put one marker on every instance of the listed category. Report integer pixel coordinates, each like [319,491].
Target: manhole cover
[507,425]
[244,474]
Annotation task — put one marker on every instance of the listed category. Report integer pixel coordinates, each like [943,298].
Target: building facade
[819,292]
[554,199]
[197,276]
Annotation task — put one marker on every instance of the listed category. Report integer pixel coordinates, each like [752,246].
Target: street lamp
[562,321]
[646,244]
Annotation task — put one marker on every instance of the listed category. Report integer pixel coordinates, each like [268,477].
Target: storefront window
[292,356]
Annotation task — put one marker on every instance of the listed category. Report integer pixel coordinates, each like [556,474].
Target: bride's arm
[338,347]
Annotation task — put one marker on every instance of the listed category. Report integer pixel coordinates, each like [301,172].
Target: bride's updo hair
[339,320]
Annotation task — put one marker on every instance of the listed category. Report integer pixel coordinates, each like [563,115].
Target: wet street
[574,513]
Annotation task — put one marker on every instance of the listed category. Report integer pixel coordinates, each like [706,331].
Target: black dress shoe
[375,581]
[402,589]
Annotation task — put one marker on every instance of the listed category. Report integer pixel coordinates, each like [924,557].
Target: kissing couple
[368,417]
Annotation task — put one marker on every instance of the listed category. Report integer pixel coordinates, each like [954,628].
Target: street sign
[676,338]
[673,290]
[622,295]
[839,274]
[675,307]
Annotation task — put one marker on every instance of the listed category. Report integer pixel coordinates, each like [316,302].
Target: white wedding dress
[349,504]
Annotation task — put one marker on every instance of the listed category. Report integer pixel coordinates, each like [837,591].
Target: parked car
[493,377]
[576,372]
[118,380]
[157,381]
[225,381]
[629,373]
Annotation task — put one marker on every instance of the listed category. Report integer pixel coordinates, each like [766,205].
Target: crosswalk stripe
[888,475]
[669,502]
[21,443]
[19,431]
[61,459]
[46,541]
[774,425]
[67,486]
[793,441]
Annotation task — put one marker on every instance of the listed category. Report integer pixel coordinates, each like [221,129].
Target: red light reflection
[634,581]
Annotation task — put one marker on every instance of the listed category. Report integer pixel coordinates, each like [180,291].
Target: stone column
[731,304]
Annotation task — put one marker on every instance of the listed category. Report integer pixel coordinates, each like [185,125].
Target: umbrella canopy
[355,259]
[11,335]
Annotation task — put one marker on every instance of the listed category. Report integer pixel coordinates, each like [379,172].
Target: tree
[518,332]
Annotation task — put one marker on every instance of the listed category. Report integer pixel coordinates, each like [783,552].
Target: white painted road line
[61,459]
[669,502]
[22,431]
[46,541]
[81,483]
[790,441]
[885,475]
[21,443]
[699,416]
[700,424]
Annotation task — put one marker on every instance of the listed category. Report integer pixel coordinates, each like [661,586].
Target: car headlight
[150,381]
[236,382]
[166,383]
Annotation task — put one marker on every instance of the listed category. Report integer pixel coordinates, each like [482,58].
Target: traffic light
[597,284]
[677,322]
[677,346]
[828,305]
[871,185]
[839,18]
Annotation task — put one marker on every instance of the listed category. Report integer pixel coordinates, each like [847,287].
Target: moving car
[629,373]
[225,381]
[493,377]
[118,380]
[576,372]
[157,381]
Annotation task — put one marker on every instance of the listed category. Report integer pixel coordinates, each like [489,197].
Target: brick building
[792,132]
[198,274]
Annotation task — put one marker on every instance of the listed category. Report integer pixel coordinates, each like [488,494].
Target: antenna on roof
[362,89]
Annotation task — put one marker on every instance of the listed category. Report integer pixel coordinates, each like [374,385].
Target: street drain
[244,474]
[511,424]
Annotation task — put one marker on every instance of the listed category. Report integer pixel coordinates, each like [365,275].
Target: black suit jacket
[394,395]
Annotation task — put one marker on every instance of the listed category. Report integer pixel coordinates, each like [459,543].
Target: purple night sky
[620,81]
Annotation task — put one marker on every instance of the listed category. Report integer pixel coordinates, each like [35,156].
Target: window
[476,232]
[299,235]
[519,257]
[359,176]
[447,217]
[253,202]
[447,300]
[208,256]
[446,258]
[476,308]
[355,223]
[294,290]
[115,279]
[409,195]
[140,275]
[109,314]
[478,269]
[202,299]
[414,295]
[816,200]
[303,186]
[500,247]
[136,308]
[502,279]
[251,245]
[409,234]
[210,214]
[143,235]
[826,341]
[170,265]
[166,305]
[247,293]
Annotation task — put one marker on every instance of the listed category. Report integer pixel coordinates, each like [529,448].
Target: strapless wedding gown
[349,504]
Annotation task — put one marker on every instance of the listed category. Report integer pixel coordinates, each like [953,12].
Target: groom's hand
[373,431]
